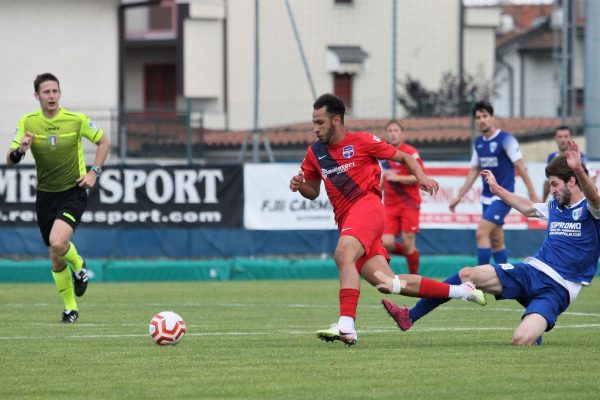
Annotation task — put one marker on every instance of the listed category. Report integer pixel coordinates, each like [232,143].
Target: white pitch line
[246,305]
[114,336]
[300,305]
[374,330]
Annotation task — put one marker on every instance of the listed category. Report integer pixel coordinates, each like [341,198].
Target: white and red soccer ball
[167,328]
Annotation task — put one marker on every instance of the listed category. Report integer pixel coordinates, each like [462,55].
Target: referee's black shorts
[67,206]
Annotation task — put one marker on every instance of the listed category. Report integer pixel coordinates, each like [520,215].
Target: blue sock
[501,257]
[483,256]
[425,306]
[539,341]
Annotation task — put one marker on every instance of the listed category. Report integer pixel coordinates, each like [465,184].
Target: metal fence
[182,137]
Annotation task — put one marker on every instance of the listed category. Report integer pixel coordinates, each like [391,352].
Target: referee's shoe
[69,317]
[80,280]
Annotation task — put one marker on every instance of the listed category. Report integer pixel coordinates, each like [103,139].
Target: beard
[565,197]
[485,128]
[327,138]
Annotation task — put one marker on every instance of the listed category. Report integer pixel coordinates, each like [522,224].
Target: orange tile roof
[418,130]
[524,15]
[544,41]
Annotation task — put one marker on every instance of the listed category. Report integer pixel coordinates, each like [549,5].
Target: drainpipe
[511,84]
[522,84]
[461,51]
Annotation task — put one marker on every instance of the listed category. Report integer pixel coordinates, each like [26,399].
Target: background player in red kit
[348,164]
[402,200]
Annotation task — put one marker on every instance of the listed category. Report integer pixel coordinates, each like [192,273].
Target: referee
[54,136]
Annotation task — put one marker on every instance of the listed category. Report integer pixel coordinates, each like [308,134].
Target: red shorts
[401,219]
[365,221]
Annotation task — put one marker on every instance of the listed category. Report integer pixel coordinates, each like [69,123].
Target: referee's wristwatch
[96,169]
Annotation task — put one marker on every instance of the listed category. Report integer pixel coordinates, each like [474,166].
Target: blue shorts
[533,289]
[496,212]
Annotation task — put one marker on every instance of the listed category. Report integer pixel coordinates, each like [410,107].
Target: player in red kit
[348,164]
[402,200]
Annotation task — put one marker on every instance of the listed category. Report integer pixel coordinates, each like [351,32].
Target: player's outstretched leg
[425,306]
[403,316]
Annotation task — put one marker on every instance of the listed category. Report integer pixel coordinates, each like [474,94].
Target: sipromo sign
[182,196]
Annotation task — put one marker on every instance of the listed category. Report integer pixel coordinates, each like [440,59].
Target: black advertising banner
[182,196]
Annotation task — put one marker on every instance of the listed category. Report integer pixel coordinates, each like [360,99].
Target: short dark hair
[333,104]
[483,105]
[558,167]
[563,128]
[41,78]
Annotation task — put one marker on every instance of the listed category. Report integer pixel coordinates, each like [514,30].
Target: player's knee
[481,234]
[525,336]
[388,242]
[342,259]
[58,246]
[520,339]
[466,274]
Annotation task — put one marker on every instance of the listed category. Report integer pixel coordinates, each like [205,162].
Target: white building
[530,71]
[339,46]
[199,55]
[76,40]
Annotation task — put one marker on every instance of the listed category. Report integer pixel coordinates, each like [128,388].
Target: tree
[453,98]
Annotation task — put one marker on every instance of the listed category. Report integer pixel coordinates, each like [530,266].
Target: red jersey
[349,168]
[397,193]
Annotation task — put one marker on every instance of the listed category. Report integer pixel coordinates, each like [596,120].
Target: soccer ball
[167,328]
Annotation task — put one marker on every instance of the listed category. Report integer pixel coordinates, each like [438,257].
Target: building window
[162,16]
[152,22]
[579,99]
[160,87]
[343,1]
[342,88]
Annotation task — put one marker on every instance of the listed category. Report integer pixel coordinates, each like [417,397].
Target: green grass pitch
[256,340]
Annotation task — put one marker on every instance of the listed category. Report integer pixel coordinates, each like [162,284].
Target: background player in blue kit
[499,152]
[546,283]
[562,136]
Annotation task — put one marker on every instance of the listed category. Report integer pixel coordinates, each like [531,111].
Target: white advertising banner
[435,213]
[270,205]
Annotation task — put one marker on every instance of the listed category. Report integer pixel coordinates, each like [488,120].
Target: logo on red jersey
[348,151]
[339,169]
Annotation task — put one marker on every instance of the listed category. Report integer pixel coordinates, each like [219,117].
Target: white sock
[457,292]
[346,322]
